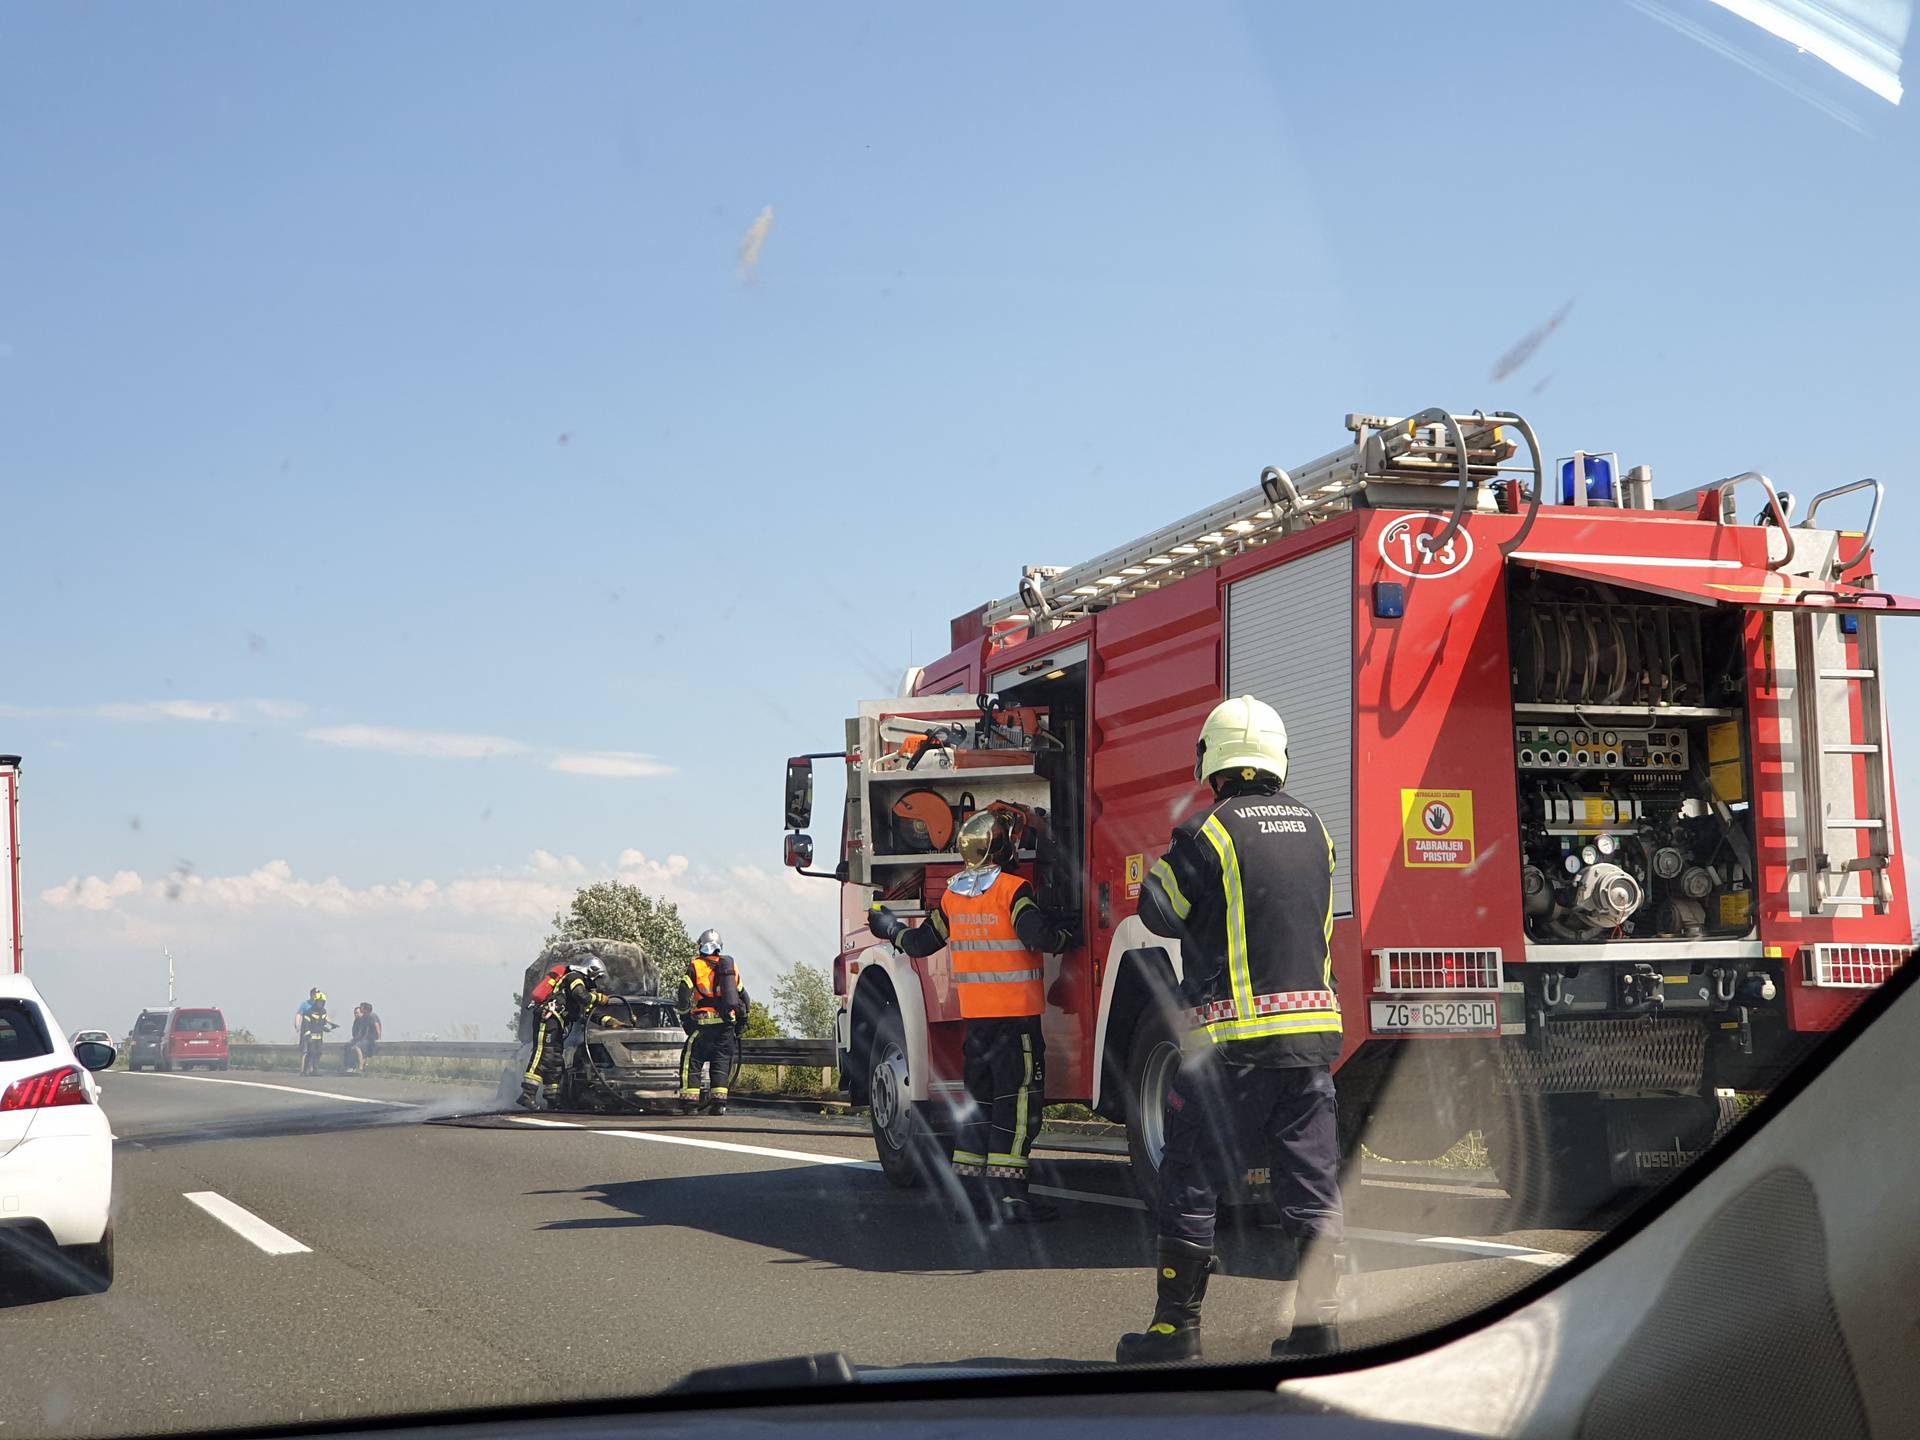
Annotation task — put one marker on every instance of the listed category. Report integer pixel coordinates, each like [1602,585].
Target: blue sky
[397,367]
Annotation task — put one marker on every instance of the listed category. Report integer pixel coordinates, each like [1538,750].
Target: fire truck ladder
[1456,453]
[1828,687]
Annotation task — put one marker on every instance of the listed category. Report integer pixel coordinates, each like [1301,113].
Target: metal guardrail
[766,1051]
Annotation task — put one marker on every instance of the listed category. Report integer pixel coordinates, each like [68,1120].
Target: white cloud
[439,745]
[434,954]
[609,764]
[215,712]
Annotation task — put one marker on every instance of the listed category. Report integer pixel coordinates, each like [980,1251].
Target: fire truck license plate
[1478,1014]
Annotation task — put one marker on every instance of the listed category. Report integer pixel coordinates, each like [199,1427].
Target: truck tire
[1153,1058]
[1549,1153]
[910,1151]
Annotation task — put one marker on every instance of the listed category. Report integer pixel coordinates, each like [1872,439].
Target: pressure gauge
[1606,844]
[1589,854]
[1573,864]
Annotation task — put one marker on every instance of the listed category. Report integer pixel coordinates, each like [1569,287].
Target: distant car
[182,1037]
[81,1037]
[56,1150]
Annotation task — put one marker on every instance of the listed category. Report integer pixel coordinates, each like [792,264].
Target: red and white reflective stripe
[1278,1004]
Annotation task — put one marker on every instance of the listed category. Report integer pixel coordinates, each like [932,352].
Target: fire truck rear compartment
[1628,737]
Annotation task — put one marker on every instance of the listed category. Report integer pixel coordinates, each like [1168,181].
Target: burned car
[606,1069]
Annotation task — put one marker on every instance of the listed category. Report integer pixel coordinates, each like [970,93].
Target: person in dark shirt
[365,1035]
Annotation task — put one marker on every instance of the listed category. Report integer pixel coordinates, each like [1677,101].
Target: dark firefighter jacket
[1247,888]
[574,1000]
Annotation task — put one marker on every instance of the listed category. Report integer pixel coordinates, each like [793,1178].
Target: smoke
[756,236]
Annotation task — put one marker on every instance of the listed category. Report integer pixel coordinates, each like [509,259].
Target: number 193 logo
[1412,553]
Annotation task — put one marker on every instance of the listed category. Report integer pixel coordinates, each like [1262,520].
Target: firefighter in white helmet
[999,939]
[714,1014]
[1246,887]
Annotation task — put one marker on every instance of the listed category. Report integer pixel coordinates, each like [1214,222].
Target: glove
[613,1022]
[1068,935]
[883,923]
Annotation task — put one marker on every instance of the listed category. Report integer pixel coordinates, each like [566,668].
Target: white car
[56,1148]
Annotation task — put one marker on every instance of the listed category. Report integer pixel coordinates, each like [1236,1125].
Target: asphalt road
[449,1261]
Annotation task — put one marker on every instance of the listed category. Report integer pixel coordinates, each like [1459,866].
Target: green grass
[801,1080]
[1469,1154]
[397,1067]
[1070,1112]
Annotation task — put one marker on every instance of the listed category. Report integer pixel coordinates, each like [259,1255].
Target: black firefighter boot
[969,1202]
[1014,1203]
[1174,1331]
[1315,1325]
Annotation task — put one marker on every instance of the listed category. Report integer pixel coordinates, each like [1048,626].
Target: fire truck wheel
[1549,1153]
[909,1150]
[1153,1058]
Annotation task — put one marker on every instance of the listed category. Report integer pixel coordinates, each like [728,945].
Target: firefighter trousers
[1005,1069]
[1225,1119]
[714,1048]
[549,1053]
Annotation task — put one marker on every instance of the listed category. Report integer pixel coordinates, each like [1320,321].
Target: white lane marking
[809,1157]
[282,1089]
[1489,1249]
[247,1225]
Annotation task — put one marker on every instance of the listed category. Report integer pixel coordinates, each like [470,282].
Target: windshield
[1308,799]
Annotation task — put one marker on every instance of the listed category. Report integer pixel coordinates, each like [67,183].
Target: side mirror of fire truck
[799,796]
[799,851]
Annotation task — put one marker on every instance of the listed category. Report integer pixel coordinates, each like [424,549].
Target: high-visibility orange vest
[997,976]
[706,984]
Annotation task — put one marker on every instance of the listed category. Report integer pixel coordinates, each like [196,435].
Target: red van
[182,1037]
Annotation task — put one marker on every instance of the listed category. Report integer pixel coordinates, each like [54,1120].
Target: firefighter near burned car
[1246,888]
[714,1009]
[567,995]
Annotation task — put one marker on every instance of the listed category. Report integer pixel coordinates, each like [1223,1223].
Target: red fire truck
[1607,776]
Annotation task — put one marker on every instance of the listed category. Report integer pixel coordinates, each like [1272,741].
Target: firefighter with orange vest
[1246,887]
[998,938]
[715,1013]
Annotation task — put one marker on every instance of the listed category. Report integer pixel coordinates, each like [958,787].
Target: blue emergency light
[1599,469]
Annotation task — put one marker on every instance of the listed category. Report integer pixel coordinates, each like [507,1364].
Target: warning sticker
[1437,826]
[1136,873]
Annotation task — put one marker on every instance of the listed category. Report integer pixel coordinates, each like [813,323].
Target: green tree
[804,1001]
[615,910]
[760,1025]
[240,1035]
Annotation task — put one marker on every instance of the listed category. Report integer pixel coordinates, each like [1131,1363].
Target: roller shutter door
[1290,643]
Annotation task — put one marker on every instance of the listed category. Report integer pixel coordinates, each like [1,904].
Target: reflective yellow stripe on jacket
[1245,1016]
